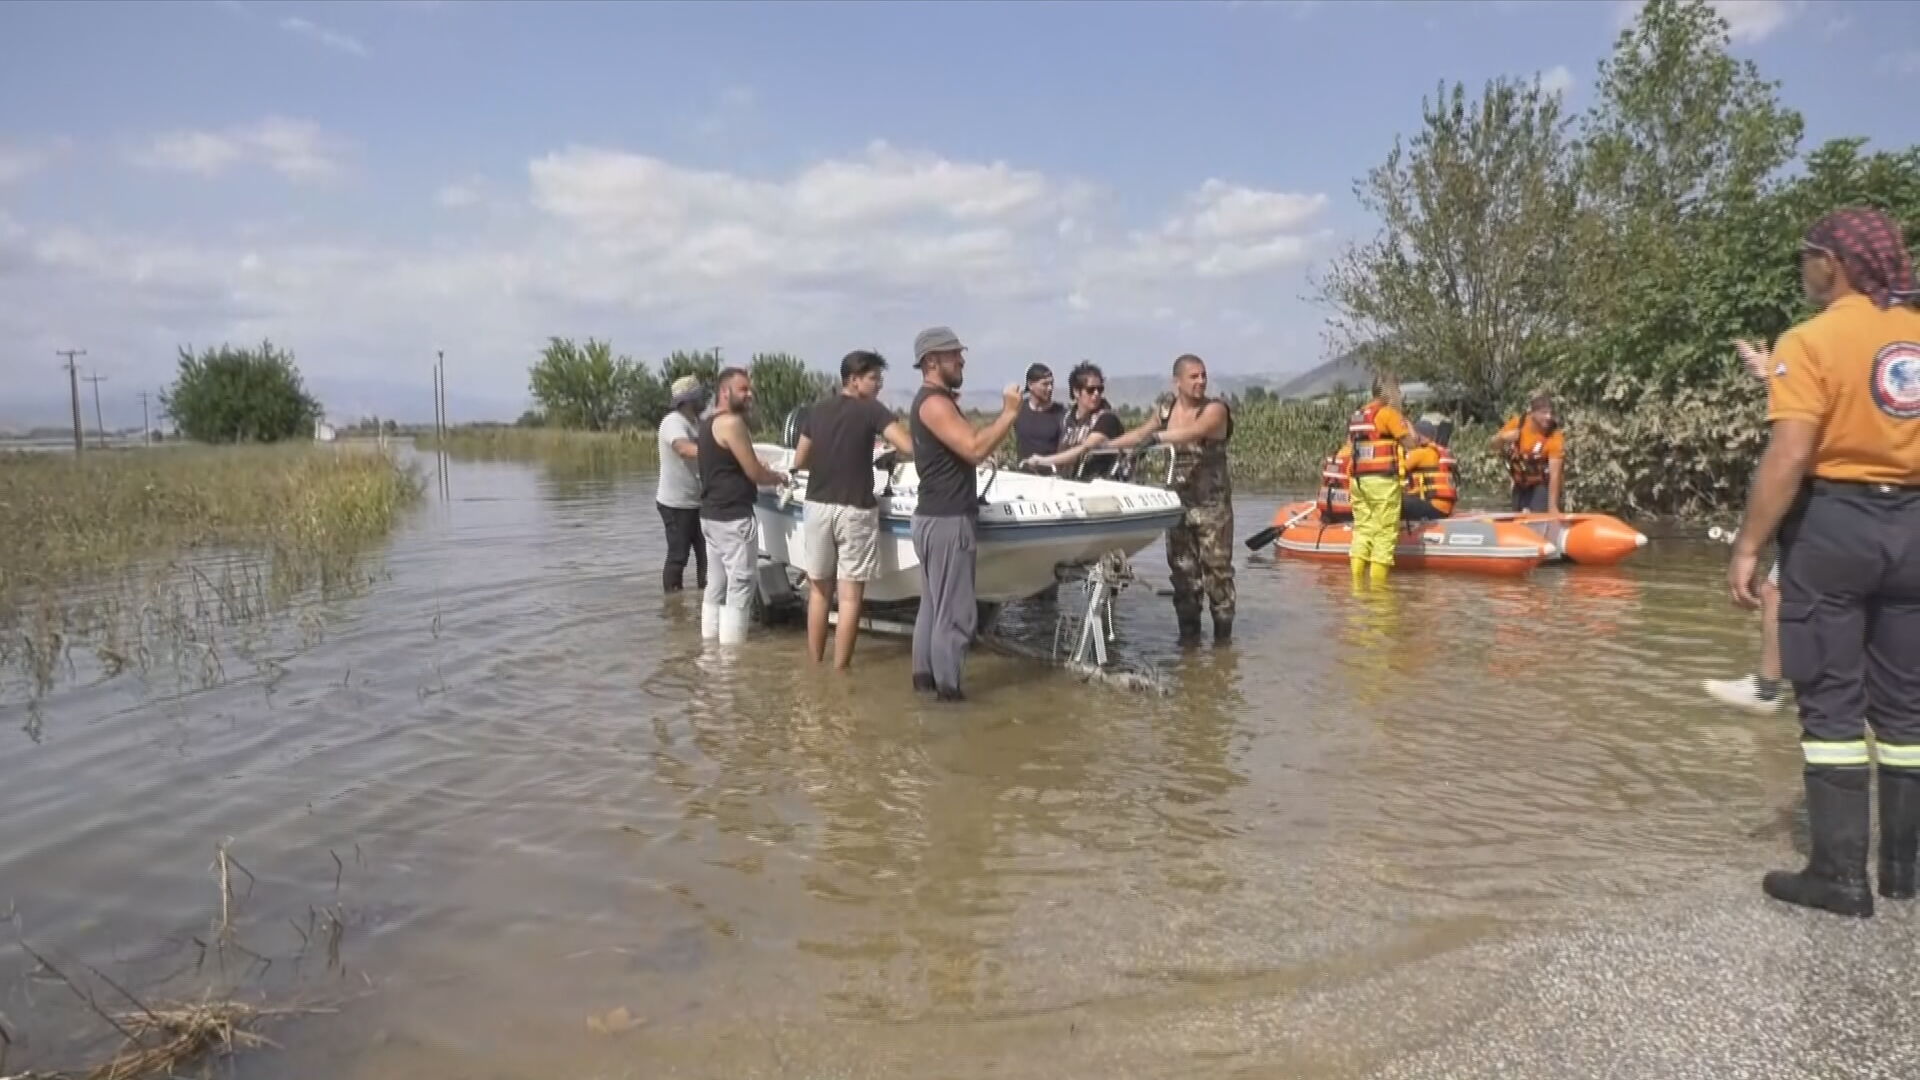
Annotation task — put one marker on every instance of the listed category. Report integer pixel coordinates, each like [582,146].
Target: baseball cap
[934,339]
[687,388]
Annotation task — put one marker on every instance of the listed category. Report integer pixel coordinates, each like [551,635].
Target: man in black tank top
[1200,547]
[946,452]
[730,474]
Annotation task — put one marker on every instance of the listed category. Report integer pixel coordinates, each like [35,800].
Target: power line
[99,425]
[73,384]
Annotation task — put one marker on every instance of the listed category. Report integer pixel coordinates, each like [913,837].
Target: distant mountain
[1341,372]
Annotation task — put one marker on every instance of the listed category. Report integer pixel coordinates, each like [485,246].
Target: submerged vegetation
[138,554]
[550,445]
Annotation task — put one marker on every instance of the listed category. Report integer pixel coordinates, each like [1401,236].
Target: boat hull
[1467,545]
[1584,539]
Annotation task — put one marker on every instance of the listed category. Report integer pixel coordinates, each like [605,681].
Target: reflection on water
[513,779]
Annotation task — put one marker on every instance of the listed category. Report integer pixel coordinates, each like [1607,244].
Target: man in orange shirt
[1533,445]
[1378,433]
[1840,481]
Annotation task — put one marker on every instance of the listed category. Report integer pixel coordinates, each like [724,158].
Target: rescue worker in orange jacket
[1433,484]
[1377,432]
[1533,445]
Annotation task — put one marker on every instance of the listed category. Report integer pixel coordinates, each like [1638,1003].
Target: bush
[230,395]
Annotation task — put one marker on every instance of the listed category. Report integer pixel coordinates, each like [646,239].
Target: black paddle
[1265,536]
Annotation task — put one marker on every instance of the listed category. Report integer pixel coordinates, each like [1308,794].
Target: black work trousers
[683,538]
[1850,621]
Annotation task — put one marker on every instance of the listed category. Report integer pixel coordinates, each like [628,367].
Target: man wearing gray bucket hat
[678,496]
[946,451]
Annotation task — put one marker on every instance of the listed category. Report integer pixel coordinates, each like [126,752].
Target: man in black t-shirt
[1090,425]
[1036,431]
[841,531]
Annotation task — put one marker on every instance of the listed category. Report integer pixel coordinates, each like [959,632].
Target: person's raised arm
[1140,434]
[731,432]
[1508,434]
[1210,424]
[943,419]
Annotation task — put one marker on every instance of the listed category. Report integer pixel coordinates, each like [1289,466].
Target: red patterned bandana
[1868,244]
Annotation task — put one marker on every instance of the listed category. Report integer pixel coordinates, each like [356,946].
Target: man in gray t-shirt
[679,493]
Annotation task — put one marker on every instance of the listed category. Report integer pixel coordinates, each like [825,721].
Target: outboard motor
[790,430]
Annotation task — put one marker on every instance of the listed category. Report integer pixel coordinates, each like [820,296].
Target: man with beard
[678,496]
[729,474]
[946,452]
[1200,547]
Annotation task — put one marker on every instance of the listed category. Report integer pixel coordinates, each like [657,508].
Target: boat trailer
[1082,636]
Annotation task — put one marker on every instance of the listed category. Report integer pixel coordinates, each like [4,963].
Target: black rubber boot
[1222,630]
[1836,875]
[1189,627]
[922,683]
[949,693]
[1899,831]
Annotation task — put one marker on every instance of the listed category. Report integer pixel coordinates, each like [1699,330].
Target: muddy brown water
[548,802]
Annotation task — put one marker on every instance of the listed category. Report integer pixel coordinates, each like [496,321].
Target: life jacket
[1373,453]
[1336,491]
[1438,484]
[1200,473]
[1527,464]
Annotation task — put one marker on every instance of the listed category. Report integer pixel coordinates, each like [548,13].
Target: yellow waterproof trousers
[1376,519]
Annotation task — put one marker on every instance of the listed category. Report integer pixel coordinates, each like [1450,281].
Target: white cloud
[19,161]
[1901,63]
[1748,21]
[332,39]
[861,249]
[1556,80]
[296,149]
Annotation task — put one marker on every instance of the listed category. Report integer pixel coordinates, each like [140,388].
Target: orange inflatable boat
[1585,539]
[1480,545]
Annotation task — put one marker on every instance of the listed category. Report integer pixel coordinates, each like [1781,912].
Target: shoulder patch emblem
[1896,380]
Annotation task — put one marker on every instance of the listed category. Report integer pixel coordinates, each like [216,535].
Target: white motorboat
[1031,527]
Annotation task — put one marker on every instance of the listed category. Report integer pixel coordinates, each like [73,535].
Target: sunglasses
[1092,389]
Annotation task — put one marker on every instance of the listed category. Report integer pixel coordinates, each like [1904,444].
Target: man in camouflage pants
[1200,547]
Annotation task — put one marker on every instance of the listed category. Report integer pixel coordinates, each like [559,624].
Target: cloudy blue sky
[369,182]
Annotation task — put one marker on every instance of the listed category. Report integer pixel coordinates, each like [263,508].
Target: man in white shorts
[1758,692]
[841,529]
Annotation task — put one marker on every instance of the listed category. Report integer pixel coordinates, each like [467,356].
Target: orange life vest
[1527,464]
[1438,484]
[1373,453]
[1336,496]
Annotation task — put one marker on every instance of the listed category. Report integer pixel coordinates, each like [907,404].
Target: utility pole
[99,425]
[446,422]
[73,383]
[146,435]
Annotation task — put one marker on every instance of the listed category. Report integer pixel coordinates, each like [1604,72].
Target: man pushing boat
[1200,547]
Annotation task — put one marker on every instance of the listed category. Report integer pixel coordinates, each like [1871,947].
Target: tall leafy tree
[239,395]
[1464,285]
[782,383]
[582,386]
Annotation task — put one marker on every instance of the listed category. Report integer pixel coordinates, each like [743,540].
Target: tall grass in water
[553,446]
[127,550]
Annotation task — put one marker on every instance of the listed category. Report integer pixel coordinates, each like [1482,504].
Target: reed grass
[553,446]
[141,554]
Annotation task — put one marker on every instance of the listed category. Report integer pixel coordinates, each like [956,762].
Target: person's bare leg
[851,595]
[1770,632]
[819,601]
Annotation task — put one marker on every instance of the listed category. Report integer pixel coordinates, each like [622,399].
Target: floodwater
[1458,827]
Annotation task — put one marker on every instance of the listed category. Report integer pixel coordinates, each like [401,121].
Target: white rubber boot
[709,621]
[733,626]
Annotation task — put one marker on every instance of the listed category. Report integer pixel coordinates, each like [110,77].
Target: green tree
[1679,149]
[647,399]
[582,386]
[782,383]
[1464,286]
[702,363]
[239,395]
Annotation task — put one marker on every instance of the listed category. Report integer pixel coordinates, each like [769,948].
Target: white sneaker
[1741,693]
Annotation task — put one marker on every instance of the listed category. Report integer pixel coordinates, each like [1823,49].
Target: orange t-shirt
[1554,445]
[1854,370]
[1388,423]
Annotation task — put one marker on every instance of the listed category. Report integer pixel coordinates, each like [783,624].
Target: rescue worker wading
[1200,547]
[1377,432]
[1840,481]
